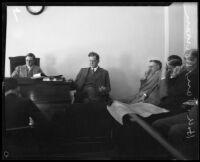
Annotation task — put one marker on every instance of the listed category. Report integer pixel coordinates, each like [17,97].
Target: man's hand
[176,71]
[144,96]
[102,89]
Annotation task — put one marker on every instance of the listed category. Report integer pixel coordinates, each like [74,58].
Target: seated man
[173,68]
[179,128]
[181,131]
[19,112]
[93,83]
[149,85]
[183,87]
[28,70]
[21,115]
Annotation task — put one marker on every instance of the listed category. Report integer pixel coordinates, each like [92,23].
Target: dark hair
[194,53]
[157,62]
[31,55]
[94,54]
[10,83]
[174,60]
[172,57]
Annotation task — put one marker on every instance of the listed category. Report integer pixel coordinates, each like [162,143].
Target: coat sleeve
[15,73]
[107,82]
[76,84]
[152,85]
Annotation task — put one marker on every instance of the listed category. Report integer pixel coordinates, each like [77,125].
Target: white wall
[190,26]
[125,37]
[183,29]
[176,29]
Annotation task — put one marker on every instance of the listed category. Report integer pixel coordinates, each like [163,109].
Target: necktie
[92,70]
[30,73]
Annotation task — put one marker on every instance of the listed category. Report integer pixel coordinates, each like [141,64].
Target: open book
[119,109]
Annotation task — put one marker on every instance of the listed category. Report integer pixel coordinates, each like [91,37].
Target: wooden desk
[44,91]
[49,96]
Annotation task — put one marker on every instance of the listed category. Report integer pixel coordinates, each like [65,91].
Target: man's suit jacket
[22,71]
[101,78]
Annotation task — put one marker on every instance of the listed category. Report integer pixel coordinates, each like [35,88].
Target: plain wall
[126,38]
[190,26]
[176,29]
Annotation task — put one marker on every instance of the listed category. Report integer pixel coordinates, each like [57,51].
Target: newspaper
[119,109]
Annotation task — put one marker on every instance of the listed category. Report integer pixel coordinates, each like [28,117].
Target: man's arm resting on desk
[15,73]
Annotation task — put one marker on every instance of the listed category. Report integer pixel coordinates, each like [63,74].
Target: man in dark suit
[92,84]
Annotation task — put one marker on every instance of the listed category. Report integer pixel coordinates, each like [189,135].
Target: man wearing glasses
[27,70]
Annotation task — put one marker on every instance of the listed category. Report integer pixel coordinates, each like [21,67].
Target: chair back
[20,60]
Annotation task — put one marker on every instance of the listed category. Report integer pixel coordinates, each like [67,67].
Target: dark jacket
[18,110]
[102,78]
[177,90]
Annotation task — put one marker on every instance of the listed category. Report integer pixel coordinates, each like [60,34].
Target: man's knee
[158,124]
[177,132]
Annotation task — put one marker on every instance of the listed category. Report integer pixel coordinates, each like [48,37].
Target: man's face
[153,67]
[93,61]
[189,62]
[29,61]
[170,68]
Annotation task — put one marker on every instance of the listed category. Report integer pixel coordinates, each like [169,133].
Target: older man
[149,85]
[182,129]
[93,83]
[27,70]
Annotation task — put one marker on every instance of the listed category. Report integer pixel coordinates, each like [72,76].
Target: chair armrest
[71,93]
[19,128]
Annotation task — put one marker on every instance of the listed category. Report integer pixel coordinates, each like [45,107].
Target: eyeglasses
[29,60]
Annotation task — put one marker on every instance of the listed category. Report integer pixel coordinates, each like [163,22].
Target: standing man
[92,84]
[27,70]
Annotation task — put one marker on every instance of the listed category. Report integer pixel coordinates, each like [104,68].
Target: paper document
[36,76]
[119,109]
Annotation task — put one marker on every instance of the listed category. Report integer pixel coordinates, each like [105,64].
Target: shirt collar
[29,68]
[95,69]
